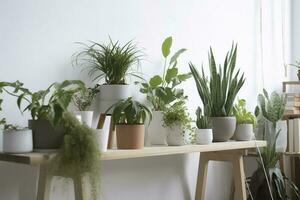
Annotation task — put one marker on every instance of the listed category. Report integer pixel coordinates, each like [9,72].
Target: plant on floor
[202,122]
[45,104]
[128,111]
[219,91]
[79,155]
[84,98]
[161,90]
[110,62]
[242,115]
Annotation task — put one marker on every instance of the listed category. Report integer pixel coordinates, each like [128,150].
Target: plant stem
[164,74]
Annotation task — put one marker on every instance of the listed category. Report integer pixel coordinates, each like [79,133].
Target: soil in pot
[223,128]
[44,135]
[130,136]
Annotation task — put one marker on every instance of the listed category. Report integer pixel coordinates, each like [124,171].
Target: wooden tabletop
[37,158]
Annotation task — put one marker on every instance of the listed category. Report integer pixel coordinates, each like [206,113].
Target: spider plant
[112,63]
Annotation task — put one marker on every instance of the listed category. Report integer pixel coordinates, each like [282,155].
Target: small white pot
[86,117]
[102,138]
[114,92]
[204,136]
[243,132]
[176,136]
[17,141]
[156,133]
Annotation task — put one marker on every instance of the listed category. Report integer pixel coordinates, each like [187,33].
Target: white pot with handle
[17,141]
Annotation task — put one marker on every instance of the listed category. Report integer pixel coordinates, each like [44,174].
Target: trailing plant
[219,91]
[44,104]
[296,64]
[79,155]
[110,62]
[161,90]
[202,122]
[84,98]
[242,115]
[128,111]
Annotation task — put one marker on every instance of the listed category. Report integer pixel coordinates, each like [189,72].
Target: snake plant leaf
[166,46]
[176,55]
[171,73]
[155,81]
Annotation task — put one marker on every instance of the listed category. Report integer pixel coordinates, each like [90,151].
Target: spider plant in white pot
[246,121]
[162,90]
[204,132]
[218,93]
[111,64]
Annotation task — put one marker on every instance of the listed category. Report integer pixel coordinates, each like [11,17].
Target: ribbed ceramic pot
[130,136]
[223,128]
[17,141]
[204,136]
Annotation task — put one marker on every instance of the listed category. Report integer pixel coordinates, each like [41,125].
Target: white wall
[37,42]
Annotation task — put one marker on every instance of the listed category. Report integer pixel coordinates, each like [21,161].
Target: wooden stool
[236,158]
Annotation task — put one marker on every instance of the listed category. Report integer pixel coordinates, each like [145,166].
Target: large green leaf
[176,55]
[171,73]
[155,81]
[166,46]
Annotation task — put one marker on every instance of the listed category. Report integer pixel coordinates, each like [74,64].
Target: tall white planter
[86,117]
[204,136]
[156,132]
[102,139]
[17,141]
[175,136]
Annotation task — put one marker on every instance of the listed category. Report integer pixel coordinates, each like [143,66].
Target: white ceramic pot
[281,142]
[17,141]
[114,92]
[204,136]
[102,138]
[1,140]
[243,132]
[223,128]
[156,133]
[175,136]
[86,117]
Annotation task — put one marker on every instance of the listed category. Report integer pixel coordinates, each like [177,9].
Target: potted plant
[16,139]
[204,132]
[110,64]
[129,117]
[161,91]
[218,93]
[46,108]
[297,65]
[245,121]
[178,123]
[83,100]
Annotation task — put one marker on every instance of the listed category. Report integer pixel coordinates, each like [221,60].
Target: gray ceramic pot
[44,135]
[223,128]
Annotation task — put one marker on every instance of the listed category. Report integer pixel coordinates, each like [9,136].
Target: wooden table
[232,151]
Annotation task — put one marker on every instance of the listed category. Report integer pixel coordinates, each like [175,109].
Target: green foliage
[79,155]
[242,115]
[2,121]
[161,89]
[202,122]
[128,111]
[271,107]
[177,114]
[84,98]
[11,127]
[297,64]
[219,91]
[45,104]
[111,62]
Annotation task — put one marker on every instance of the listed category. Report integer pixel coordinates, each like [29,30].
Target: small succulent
[202,122]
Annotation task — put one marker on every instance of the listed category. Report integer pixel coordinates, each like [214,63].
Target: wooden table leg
[44,184]
[79,190]
[202,176]
[239,178]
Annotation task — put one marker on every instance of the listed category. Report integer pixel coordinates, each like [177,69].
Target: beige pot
[130,136]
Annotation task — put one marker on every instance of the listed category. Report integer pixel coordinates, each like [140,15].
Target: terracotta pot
[44,135]
[298,75]
[130,136]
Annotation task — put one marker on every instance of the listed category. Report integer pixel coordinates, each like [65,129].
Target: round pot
[86,117]
[223,128]
[114,92]
[243,132]
[130,136]
[102,139]
[17,141]
[204,136]
[175,135]
[156,132]
[45,136]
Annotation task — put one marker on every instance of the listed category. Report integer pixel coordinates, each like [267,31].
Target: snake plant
[219,91]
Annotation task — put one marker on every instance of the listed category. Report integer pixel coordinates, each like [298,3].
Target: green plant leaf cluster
[202,122]
[84,98]
[128,111]
[112,63]
[50,103]
[161,90]
[79,155]
[3,120]
[271,107]
[242,115]
[219,91]
[296,64]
